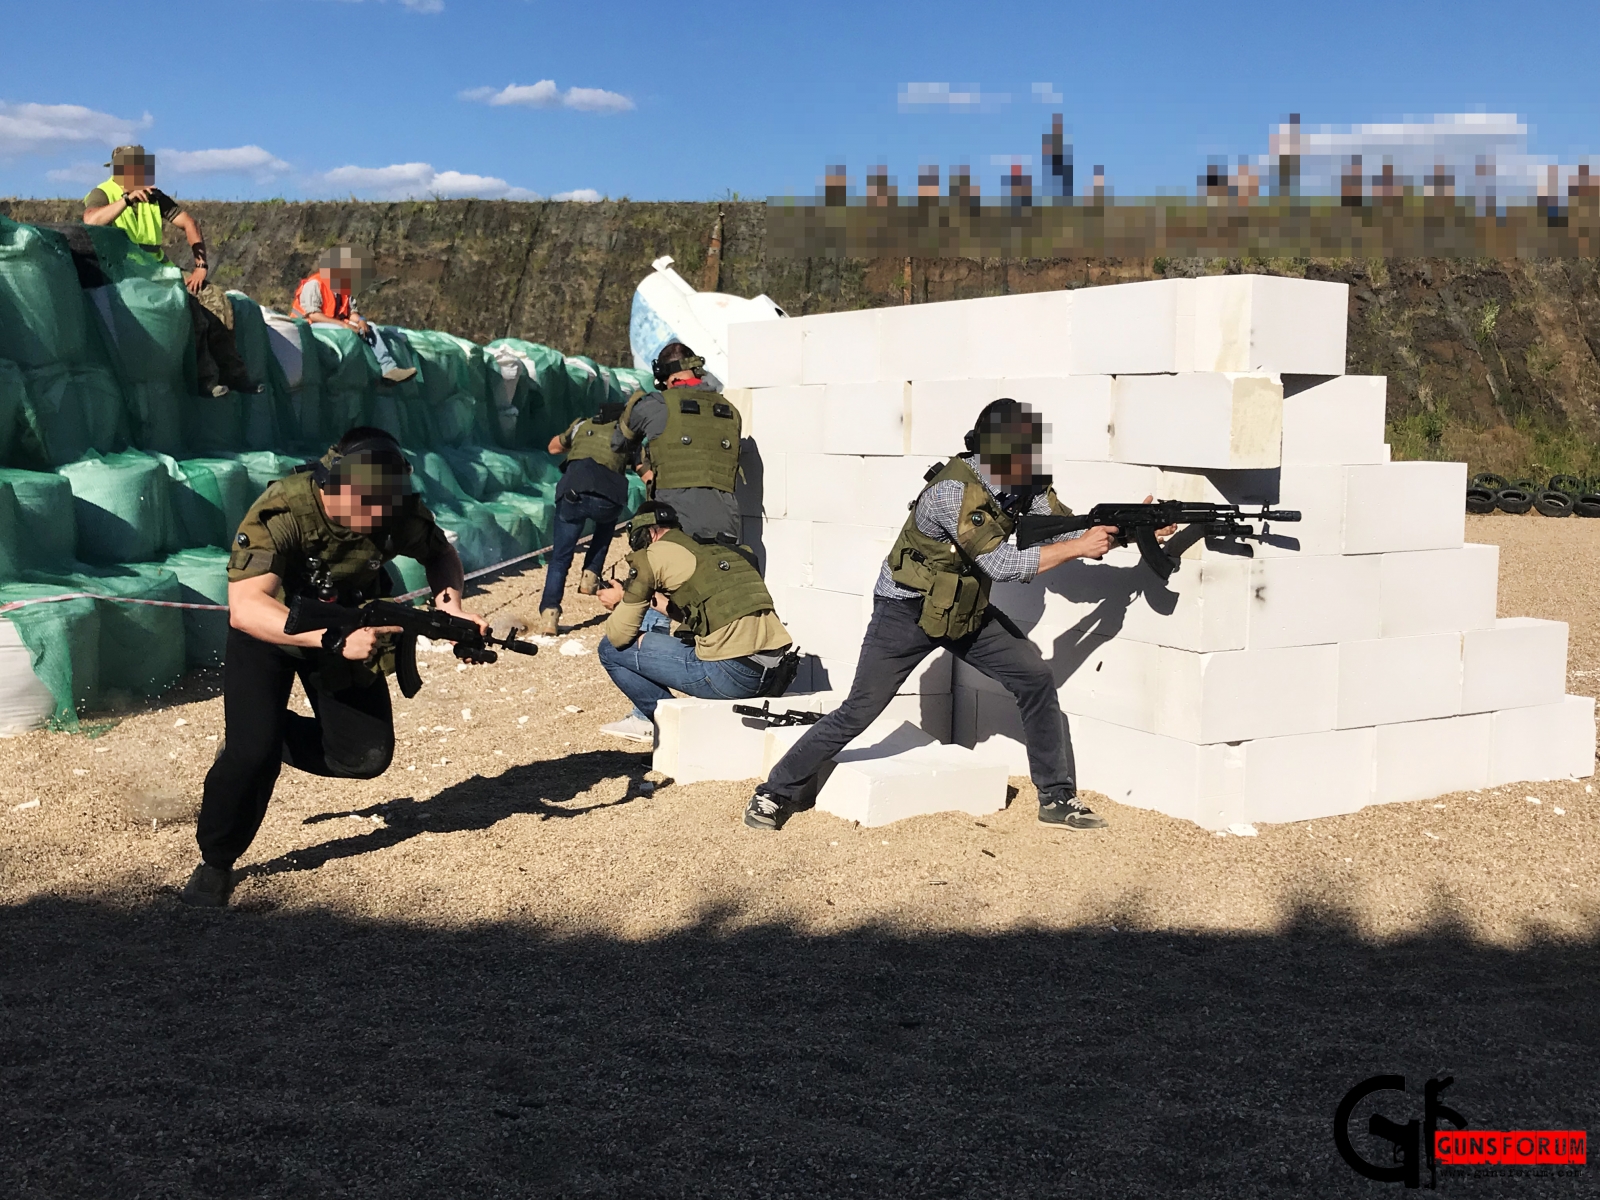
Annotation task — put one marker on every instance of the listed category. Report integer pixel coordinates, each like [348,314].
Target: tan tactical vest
[700,447]
[955,590]
[724,587]
[592,439]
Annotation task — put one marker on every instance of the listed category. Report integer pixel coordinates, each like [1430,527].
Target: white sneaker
[635,729]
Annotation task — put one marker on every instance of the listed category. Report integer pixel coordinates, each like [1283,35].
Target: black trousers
[893,646]
[351,736]
[216,357]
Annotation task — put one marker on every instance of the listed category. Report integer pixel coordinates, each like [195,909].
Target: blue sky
[309,98]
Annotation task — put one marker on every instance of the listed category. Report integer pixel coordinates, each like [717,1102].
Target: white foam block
[1404,506]
[841,347]
[1076,411]
[821,622]
[1309,775]
[788,554]
[865,418]
[932,719]
[875,788]
[704,739]
[764,353]
[1439,591]
[1128,328]
[1399,679]
[924,341]
[762,487]
[1262,323]
[943,410]
[1241,694]
[1518,663]
[848,558]
[1418,760]
[1336,420]
[1310,600]
[1198,420]
[1551,741]
[823,487]
[1019,335]
[1082,485]
[1203,784]
[996,732]
[786,420]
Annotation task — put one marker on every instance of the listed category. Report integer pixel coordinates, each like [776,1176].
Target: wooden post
[711,276]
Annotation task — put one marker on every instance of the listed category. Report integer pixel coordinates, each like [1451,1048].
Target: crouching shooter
[326,531]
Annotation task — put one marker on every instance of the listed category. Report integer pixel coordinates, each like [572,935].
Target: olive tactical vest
[700,447]
[724,587]
[955,590]
[591,439]
[353,562]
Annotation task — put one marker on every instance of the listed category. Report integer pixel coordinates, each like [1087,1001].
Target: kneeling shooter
[325,531]
[731,645]
[933,593]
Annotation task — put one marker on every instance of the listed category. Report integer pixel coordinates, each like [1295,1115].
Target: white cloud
[416,6]
[44,128]
[403,181]
[582,196]
[78,172]
[545,94]
[239,160]
[1045,93]
[966,97]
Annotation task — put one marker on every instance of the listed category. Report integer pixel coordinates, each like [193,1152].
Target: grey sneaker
[766,810]
[208,887]
[1058,808]
[219,391]
[635,729]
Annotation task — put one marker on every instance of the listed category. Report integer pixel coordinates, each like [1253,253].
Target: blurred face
[136,173]
[365,495]
[1009,449]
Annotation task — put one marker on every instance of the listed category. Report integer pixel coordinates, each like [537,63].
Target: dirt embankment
[1494,362]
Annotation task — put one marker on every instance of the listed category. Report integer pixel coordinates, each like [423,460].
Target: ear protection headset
[994,408]
[367,441]
[658,512]
[674,357]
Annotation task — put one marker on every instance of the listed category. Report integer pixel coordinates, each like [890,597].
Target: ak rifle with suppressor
[1139,522]
[471,644]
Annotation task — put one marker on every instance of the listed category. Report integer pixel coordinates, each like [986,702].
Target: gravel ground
[504,969]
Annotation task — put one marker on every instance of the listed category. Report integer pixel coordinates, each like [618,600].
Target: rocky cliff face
[1495,362]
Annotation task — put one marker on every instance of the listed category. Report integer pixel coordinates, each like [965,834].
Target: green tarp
[115,478]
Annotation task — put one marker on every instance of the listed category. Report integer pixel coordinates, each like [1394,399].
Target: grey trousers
[893,647]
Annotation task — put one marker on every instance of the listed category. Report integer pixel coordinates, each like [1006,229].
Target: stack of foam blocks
[1352,658]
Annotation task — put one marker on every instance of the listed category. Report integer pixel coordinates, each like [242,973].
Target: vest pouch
[951,606]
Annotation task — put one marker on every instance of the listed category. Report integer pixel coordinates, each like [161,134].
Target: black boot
[766,810]
[208,887]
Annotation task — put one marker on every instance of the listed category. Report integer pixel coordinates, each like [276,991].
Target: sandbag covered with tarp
[71,400]
[202,575]
[454,376]
[264,466]
[267,417]
[209,498]
[349,374]
[145,309]
[141,645]
[47,527]
[122,507]
[63,642]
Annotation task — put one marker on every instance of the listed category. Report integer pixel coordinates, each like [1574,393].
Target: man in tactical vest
[327,529]
[594,488]
[933,592]
[131,201]
[691,450]
[731,645]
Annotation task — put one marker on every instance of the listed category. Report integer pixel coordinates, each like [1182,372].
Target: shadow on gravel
[168,1053]
[477,803]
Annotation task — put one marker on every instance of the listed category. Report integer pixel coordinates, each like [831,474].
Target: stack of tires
[1563,496]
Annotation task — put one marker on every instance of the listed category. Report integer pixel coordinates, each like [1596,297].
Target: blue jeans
[571,512]
[655,662]
[380,348]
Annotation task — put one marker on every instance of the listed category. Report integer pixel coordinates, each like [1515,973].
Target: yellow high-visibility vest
[141,222]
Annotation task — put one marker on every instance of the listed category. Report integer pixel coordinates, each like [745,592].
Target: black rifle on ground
[471,645]
[770,719]
[1139,522]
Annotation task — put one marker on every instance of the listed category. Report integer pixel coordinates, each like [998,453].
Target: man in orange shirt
[325,298]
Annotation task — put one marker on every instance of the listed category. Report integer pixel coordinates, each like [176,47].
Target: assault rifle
[772,719]
[1140,522]
[307,613]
